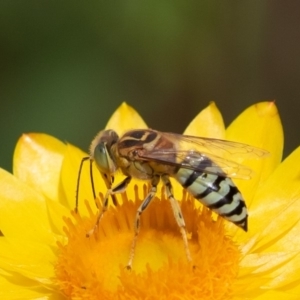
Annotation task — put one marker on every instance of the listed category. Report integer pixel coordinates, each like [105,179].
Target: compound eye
[101,157]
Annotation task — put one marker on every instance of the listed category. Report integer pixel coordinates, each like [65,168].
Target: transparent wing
[206,155]
[200,162]
[217,147]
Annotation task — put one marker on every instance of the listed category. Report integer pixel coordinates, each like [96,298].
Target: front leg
[120,188]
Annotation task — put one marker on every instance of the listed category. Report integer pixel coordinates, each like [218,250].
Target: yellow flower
[45,254]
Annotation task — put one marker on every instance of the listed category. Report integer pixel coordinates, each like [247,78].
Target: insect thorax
[133,148]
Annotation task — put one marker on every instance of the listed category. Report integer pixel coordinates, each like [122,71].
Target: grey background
[65,66]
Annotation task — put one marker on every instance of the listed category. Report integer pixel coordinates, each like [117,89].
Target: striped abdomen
[217,192]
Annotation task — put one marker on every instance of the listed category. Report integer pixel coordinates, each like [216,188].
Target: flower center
[95,267]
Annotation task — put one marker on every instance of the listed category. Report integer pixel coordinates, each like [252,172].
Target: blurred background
[65,66]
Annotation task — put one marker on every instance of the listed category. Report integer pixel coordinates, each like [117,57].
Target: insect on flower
[203,166]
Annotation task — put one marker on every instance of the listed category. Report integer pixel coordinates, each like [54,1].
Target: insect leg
[143,206]
[108,185]
[177,214]
[121,187]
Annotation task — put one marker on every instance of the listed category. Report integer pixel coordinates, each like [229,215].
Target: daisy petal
[276,295]
[12,290]
[208,123]
[23,212]
[56,210]
[258,126]
[281,195]
[33,260]
[286,275]
[125,118]
[249,287]
[37,162]
[49,252]
[265,262]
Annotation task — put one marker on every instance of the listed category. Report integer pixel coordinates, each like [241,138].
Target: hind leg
[177,214]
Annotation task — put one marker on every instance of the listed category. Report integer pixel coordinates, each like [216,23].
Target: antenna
[78,181]
[84,159]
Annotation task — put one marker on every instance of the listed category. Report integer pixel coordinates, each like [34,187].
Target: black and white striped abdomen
[217,192]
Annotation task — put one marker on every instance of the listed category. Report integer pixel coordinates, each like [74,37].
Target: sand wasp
[203,166]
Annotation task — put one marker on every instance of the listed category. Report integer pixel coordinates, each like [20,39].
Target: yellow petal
[37,161]
[208,123]
[23,211]
[276,295]
[248,287]
[286,276]
[293,290]
[125,118]
[264,263]
[258,126]
[31,259]
[25,290]
[275,208]
[56,212]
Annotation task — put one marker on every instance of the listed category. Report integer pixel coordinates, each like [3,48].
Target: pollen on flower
[95,267]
